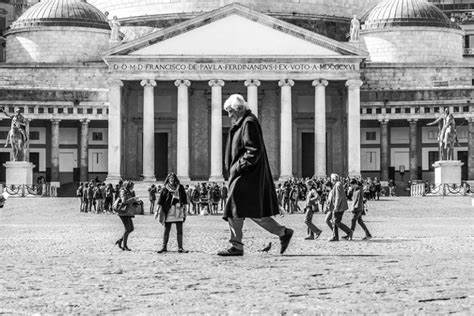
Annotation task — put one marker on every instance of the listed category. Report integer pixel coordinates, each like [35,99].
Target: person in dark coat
[357,208]
[337,205]
[126,211]
[251,189]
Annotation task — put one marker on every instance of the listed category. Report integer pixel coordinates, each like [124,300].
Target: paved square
[57,261]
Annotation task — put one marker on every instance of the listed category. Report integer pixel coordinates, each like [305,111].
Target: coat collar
[240,120]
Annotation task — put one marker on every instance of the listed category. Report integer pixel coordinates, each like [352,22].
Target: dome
[127,10]
[393,13]
[77,13]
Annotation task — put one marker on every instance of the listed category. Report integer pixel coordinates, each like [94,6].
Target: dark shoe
[162,250]
[317,235]
[126,248]
[231,252]
[367,237]
[309,238]
[119,243]
[181,250]
[333,239]
[285,240]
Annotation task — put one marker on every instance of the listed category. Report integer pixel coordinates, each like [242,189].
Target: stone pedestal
[448,172]
[19,173]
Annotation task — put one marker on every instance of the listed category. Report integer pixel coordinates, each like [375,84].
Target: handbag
[118,206]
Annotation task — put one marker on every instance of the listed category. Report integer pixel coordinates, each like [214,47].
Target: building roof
[61,13]
[394,13]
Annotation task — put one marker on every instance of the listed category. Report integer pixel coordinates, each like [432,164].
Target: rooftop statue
[447,137]
[17,137]
[355,29]
[115,30]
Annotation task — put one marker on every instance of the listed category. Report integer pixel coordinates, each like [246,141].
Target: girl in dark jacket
[126,211]
[171,208]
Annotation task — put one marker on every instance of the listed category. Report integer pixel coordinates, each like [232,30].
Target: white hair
[334,176]
[236,102]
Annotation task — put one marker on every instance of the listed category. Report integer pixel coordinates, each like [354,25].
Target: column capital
[252,82]
[115,82]
[354,83]
[55,121]
[384,121]
[85,121]
[216,83]
[320,83]
[412,121]
[286,83]
[148,83]
[181,82]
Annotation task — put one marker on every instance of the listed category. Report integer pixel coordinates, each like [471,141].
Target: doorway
[4,157]
[463,157]
[161,155]
[307,155]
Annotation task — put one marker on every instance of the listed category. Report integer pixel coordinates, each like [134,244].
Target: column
[55,150]
[216,130]
[148,130]
[470,160]
[182,167]
[413,149]
[320,128]
[286,130]
[115,132]
[384,157]
[27,145]
[84,161]
[353,127]
[252,95]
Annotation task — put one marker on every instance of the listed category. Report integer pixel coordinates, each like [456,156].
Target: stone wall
[57,45]
[92,76]
[411,76]
[414,45]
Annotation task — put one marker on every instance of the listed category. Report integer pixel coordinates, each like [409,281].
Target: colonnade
[216,172]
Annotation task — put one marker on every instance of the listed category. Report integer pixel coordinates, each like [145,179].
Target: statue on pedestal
[115,30]
[447,137]
[17,137]
[355,30]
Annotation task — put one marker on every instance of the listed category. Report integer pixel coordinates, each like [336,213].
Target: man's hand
[156,215]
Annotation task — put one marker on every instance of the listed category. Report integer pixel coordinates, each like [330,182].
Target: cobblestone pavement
[57,261]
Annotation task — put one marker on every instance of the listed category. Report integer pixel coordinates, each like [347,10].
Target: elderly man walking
[251,189]
[337,205]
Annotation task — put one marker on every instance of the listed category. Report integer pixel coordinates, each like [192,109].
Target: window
[371,135]
[34,135]
[97,136]
[433,156]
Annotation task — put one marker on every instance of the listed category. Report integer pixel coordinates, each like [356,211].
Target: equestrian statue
[447,137]
[17,136]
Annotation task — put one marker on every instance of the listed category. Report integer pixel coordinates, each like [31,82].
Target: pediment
[235,30]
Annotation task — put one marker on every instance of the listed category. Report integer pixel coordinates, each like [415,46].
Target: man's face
[233,114]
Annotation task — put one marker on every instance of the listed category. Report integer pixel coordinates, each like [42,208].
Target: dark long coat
[251,189]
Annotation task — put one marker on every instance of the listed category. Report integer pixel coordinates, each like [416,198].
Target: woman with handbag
[171,208]
[125,207]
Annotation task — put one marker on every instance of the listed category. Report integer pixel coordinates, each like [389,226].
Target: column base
[216,179]
[148,179]
[113,178]
[184,179]
[320,175]
[284,178]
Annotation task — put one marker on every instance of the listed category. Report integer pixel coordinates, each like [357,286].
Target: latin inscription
[232,67]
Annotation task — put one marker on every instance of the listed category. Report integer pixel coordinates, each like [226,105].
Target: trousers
[308,220]
[338,224]
[357,219]
[179,234]
[267,223]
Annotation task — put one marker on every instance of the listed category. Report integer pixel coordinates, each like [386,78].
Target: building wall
[413,76]
[57,45]
[414,45]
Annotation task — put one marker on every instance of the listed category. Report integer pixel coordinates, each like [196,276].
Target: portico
[266,77]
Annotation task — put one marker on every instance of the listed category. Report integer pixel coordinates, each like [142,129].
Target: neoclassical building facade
[146,100]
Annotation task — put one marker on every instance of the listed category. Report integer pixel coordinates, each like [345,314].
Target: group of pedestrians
[96,197]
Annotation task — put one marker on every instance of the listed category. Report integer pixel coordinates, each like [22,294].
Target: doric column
[148,130]
[471,149]
[115,132]
[353,127]
[84,161]
[413,149]
[384,157]
[216,130]
[55,150]
[286,130]
[183,130]
[252,95]
[320,128]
